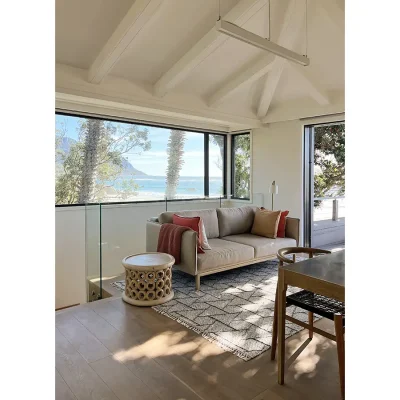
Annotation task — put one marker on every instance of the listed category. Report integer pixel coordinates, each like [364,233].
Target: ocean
[188,187]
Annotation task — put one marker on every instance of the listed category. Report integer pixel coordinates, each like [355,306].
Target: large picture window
[105,161]
[241,166]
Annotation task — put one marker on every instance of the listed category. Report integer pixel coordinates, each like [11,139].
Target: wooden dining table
[322,275]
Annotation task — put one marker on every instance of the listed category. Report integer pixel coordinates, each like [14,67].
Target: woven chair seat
[321,305]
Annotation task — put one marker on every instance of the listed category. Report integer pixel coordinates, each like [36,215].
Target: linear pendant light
[241,34]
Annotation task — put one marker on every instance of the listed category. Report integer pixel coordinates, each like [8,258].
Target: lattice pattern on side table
[152,285]
[148,279]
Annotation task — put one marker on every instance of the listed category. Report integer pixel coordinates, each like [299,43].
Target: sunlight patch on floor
[206,349]
[306,362]
[164,344]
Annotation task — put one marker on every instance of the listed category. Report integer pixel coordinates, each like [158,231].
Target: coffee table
[148,279]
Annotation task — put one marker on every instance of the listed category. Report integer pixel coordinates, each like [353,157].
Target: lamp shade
[273,188]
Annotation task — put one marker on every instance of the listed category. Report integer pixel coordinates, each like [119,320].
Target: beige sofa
[228,233]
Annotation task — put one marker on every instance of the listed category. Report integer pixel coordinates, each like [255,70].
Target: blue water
[192,186]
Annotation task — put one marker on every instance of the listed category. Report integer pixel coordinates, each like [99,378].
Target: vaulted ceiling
[163,60]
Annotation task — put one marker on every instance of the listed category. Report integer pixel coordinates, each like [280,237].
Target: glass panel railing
[328,225]
[341,208]
[93,251]
[114,231]
[124,233]
[195,204]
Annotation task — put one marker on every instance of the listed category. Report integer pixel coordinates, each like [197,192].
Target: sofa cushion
[209,218]
[233,221]
[262,246]
[193,223]
[223,252]
[282,223]
[266,223]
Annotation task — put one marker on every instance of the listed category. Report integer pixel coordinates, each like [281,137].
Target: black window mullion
[225,166]
[206,165]
[233,166]
[307,185]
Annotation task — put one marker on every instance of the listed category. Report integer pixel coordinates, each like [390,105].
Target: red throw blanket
[169,240]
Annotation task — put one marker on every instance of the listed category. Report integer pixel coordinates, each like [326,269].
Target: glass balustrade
[328,221]
[93,251]
[114,231]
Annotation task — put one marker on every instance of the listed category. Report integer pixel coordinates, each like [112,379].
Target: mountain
[128,169]
[66,144]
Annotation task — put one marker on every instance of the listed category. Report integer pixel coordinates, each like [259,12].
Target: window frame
[206,134]
[232,172]
[308,177]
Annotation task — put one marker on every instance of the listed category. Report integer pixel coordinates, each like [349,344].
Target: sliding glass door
[324,185]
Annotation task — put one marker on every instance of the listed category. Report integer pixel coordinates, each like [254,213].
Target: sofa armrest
[152,233]
[292,229]
[189,253]
[188,246]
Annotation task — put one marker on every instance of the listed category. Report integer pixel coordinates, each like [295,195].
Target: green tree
[95,162]
[241,173]
[176,143]
[329,161]
[219,141]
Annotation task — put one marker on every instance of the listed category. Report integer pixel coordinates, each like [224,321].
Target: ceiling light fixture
[232,30]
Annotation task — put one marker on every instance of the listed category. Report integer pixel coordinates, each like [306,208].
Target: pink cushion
[192,223]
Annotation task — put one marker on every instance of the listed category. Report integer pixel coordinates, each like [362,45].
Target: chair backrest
[298,250]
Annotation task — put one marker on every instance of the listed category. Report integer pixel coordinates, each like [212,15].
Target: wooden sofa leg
[197,282]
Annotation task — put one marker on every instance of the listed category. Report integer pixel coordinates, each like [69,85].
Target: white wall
[278,155]
[70,256]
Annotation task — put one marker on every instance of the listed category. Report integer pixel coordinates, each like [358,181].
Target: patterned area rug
[233,309]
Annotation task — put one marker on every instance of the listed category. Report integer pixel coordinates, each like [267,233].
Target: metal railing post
[335,210]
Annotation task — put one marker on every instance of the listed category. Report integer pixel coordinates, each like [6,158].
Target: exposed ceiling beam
[270,86]
[314,88]
[137,17]
[238,15]
[121,94]
[292,24]
[249,74]
[305,107]
[335,12]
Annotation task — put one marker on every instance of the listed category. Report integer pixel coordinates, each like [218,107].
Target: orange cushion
[282,223]
[192,223]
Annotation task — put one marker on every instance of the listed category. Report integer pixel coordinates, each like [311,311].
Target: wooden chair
[314,304]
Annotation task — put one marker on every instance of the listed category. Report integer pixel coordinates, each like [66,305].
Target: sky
[154,161]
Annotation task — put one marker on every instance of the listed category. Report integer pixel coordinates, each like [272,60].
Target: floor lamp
[273,189]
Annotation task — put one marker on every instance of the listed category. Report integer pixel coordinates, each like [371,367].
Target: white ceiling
[164,70]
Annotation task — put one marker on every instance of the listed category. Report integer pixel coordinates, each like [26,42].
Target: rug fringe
[207,336]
